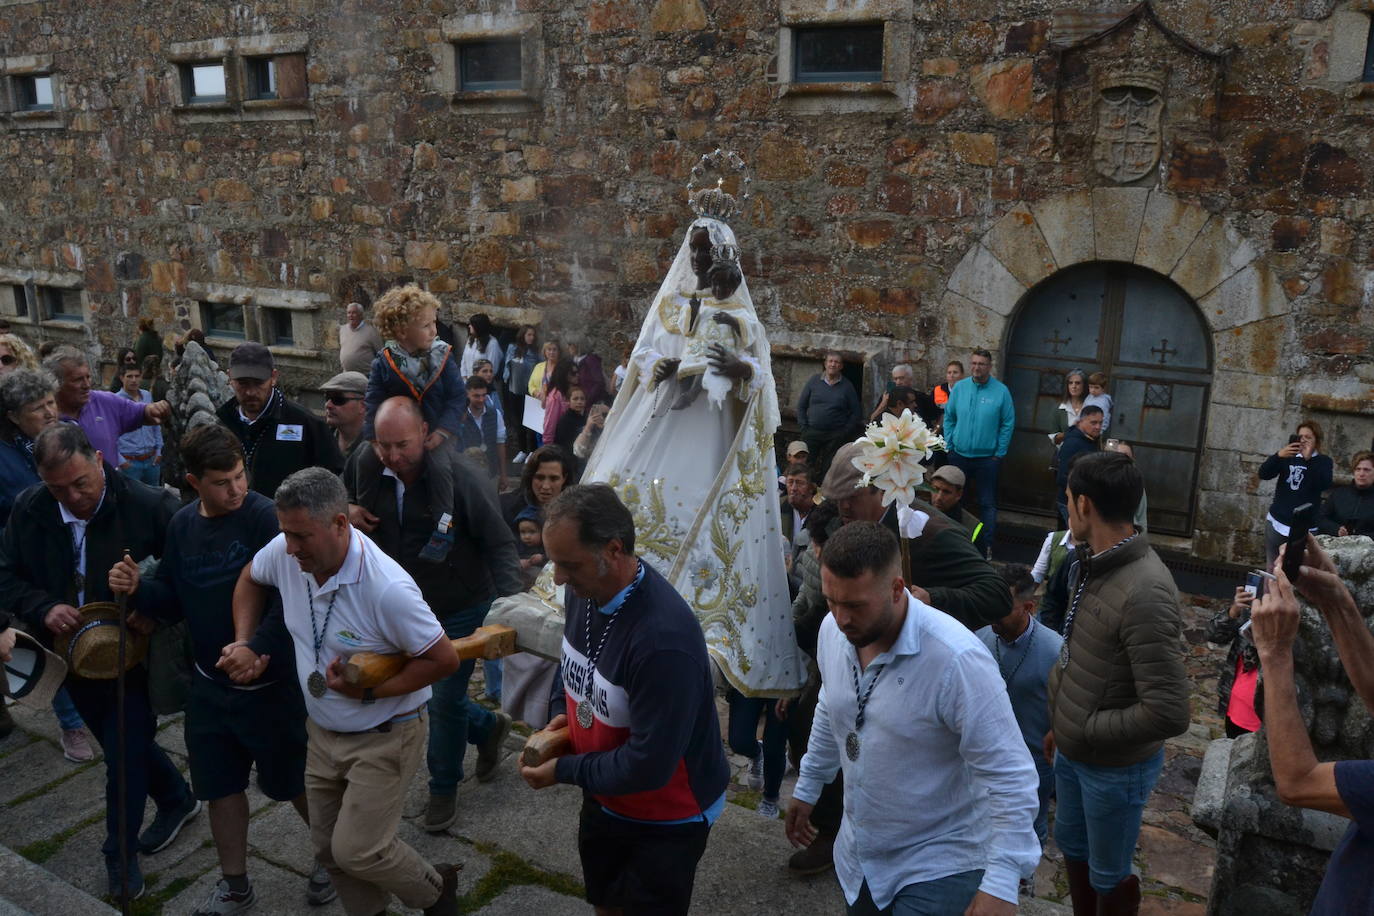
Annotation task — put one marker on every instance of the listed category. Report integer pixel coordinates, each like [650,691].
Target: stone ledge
[32,889]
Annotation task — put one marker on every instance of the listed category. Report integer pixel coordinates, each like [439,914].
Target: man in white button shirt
[340,595]
[940,796]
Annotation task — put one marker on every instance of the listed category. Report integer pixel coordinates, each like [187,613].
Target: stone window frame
[307,345]
[891,94]
[30,65]
[36,280]
[235,53]
[454,30]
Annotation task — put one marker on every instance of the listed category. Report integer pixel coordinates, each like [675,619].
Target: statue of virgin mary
[688,446]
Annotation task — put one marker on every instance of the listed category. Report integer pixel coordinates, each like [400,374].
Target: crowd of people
[961,701]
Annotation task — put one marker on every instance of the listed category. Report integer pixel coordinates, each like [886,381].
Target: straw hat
[92,649]
[33,674]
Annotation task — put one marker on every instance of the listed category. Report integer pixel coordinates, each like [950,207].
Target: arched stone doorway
[1147,335]
[1204,255]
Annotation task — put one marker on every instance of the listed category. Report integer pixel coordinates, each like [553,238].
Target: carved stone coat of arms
[1128,140]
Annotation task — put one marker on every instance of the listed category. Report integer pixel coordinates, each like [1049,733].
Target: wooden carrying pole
[369,669]
[545,745]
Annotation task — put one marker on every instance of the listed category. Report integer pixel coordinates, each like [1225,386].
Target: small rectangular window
[60,304]
[486,66]
[20,302]
[33,93]
[838,54]
[203,82]
[222,319]
[277,327]
[1368,75]
[279,77]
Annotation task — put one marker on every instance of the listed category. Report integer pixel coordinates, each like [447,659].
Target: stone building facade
[1182,186]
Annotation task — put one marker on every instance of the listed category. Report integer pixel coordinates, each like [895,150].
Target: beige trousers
[355,786]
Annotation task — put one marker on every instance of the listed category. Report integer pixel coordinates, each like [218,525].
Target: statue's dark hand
[725,318]
[665,370]
[728,364]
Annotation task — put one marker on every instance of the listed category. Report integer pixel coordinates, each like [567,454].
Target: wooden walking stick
[122,743]
[545,745]
[368,669]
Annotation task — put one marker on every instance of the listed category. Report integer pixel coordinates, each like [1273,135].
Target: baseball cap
[950,474]
[251,360]
[797,446]
[843,479]
[351,382]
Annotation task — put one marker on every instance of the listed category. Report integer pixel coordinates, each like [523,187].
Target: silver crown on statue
[726,255]
[714,201]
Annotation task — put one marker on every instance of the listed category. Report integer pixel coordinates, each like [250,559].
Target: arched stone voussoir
[1252,294]
[1066,223]
[1117,215]
[1168,229]
[1017,242]
[969,325]
[1218,253]
[982,279]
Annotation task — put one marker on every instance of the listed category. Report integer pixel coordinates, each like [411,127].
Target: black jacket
[482,563]
[943,561]
[284,439]
[37,556]
[1075,443]
[1299,480]
[1349,507]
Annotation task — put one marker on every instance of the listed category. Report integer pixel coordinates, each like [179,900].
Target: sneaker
[489,751]
[440,813]
[520,458]
[76,747]
[447,904]
[116,885]
[319,890]
[222,900]
[768,809]
[166,825]
[756,770]
[814,859]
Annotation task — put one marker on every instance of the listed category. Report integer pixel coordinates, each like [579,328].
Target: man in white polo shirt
[341,594]
[940,793]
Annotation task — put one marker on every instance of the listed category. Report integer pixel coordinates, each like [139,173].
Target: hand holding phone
[1304,518]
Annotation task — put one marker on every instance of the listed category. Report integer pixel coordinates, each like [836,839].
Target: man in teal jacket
[979,419]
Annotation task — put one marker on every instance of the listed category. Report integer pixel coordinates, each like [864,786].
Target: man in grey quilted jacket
[1119,689]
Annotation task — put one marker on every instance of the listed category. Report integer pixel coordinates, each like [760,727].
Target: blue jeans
[947,896]
[491,673]
[144,472]
[744,737]
[1046,771]
[1098,816]
[455,721]
[983,472]
[151,772]
[65,710]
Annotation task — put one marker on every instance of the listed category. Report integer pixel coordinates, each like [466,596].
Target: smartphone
[1304,518]
[1294,439]
[1256,582]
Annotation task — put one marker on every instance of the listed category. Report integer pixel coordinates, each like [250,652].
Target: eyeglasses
[338,400]
[8,359]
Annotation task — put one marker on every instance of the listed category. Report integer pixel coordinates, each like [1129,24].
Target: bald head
[400,432]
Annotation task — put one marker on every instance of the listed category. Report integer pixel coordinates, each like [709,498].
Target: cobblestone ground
[518,848]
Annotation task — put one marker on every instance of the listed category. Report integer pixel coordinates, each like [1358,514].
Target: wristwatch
[368,696]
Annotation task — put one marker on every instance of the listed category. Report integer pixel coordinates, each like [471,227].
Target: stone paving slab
[524,899]
[31,890]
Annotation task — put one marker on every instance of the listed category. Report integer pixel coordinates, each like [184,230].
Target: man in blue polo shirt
[979,420]
[642,715]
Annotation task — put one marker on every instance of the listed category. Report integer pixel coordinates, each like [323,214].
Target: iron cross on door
[1151,341]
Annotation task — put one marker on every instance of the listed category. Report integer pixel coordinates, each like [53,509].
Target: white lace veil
[682,279]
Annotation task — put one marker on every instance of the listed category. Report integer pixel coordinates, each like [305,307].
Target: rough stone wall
[566,207]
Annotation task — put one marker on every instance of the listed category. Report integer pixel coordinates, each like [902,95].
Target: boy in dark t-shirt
[230,727]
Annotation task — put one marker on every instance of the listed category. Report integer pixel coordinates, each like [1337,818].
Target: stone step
[32,890]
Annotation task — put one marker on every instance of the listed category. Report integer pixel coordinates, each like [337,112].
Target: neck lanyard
[851,743]
[316,683]
[997,651]
[1078,596]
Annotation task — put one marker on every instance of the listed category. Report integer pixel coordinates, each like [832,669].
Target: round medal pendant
[851,746]
[316,684]
[585,717]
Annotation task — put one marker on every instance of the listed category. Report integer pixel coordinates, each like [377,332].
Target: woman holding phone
[1349,510]
[1303,474]
[1238,682]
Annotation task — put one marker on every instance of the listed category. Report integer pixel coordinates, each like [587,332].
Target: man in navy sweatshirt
[642,715]
[230,728]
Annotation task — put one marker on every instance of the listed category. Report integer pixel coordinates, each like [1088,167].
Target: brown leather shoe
[1124,900]
[816,858]
[447,904]
[1080,888]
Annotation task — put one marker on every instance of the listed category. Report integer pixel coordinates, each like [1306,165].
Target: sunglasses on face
[8,359]
[339,400]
